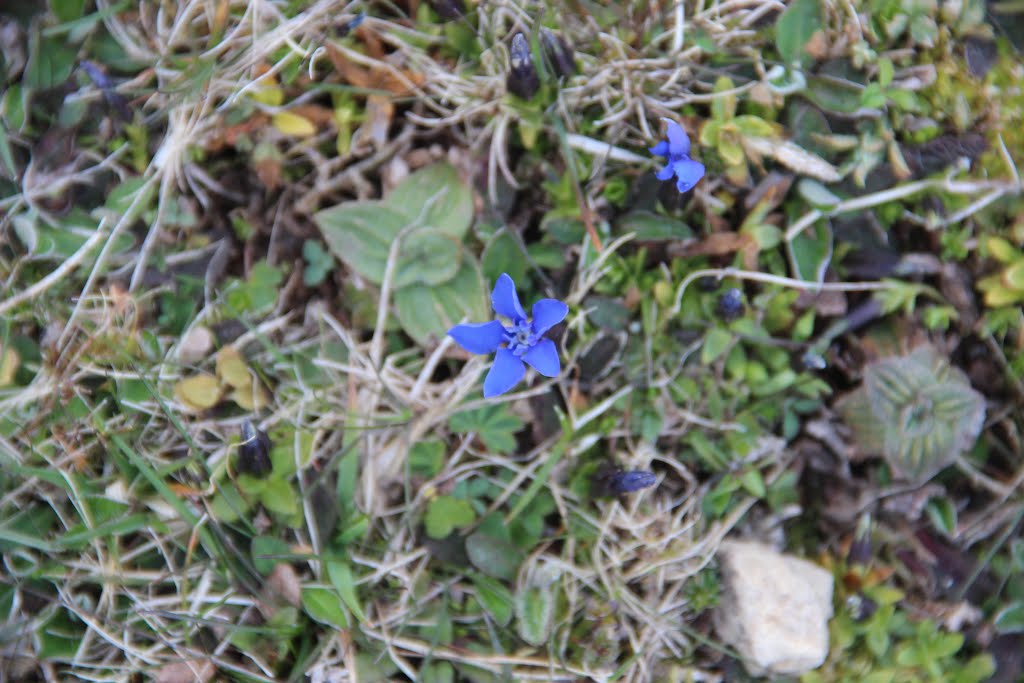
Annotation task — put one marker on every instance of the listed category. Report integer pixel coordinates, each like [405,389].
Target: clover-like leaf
[445,514]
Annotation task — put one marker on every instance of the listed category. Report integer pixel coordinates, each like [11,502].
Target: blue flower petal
[504,299]
[678,142]
[688,172]
[666,173]
[547,313]
[660,149]
[544,358]
[506,372]
[479,337]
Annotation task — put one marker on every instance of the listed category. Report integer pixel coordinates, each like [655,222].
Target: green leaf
[427,313]
[427,256]
[779,381]
[1010,619]
[886,71]
[59,637]
[324,605]
[494,424]
[360,234]
[495,598]
[816,194]
[266,551]
[67,10]
[810,252]
[1001,250]
[835,95]
[340,574]
[753,483]
[257,293]
[794,29]
[50,62]
[1017,554]
[445,513]
[754,126]
[434,196]
[723,107]
[437,672]
[652,227]
[426,458]
[1013,275]
[319,263]
[716,341]
[228,505]
[535,611]
[493,555]
[278,496]
[942,513]
[504,255]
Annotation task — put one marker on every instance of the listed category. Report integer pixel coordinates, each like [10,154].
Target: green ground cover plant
[446,341]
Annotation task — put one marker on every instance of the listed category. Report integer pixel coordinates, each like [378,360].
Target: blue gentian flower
[676,150]
[522,342]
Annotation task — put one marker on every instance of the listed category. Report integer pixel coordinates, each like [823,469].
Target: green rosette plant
[916,410]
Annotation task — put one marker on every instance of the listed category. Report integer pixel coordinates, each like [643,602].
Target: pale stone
[195,346]
[774,608]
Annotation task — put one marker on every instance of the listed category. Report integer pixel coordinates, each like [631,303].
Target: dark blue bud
[625,481]
[522,74]
[254,451]
[730,304]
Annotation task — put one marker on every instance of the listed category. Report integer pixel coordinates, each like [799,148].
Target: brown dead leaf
[283,582]
[379,113]
[374,48]
[829,304]
[229,135]
[220,17]
[772,189]
[817,47]
[397,81]
[322,116]
[270,171]
[715,244]
[194,671]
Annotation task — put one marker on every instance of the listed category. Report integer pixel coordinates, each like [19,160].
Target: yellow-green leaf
[251,398]
[730,150]
[723,107]
[293,124]
[1013,276]
[270,95]
[1001,249]
[232,369]
[755,125]
[200,392]
[9,362]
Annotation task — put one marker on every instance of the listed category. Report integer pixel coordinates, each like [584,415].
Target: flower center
[520,337]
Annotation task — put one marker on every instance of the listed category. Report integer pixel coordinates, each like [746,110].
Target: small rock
[196,345]
[774,609]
